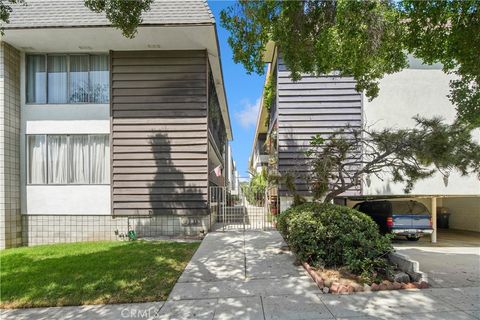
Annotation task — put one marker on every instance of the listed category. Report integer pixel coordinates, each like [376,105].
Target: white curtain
[36,159]
[99,79]
[57,159]
[78,159]
[99,159]
[57,79]
[78,78]
[36,79]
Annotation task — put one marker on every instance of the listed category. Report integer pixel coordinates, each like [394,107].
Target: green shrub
[329,235]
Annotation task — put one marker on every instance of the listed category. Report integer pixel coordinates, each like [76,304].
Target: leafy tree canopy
[125,15]
[352,155]
[364,39]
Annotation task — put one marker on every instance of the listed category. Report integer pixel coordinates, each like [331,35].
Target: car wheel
[413,238]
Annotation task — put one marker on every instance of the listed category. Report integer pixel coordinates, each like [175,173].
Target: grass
[91,272]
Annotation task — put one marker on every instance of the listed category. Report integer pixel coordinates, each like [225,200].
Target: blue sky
[243,94]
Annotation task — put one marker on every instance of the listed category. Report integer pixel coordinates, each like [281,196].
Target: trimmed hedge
[328,235]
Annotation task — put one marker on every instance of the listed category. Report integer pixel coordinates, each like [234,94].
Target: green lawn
[91,272]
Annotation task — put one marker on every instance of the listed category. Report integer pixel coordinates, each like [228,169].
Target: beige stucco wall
[465,213]
[403,95]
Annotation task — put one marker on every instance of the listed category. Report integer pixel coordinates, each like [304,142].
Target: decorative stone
[410,286]
[343,289]
[335,287]
[382,286]
[401,277]
[357,287]
[375,287]
[326,290]
[327,282]
[397,286]
[367,288]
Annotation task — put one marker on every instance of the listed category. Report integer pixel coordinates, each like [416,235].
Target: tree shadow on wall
[178,191]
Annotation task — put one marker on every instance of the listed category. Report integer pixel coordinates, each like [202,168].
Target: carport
[464,210]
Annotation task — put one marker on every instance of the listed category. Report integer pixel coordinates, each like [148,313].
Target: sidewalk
[236,275]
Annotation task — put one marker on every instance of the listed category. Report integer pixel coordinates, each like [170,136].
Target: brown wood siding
[313,105]
[159,132]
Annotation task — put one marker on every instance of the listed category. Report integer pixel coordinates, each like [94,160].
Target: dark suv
[407,218]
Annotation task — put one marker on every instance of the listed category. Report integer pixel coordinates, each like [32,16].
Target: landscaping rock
[409,286]
[366,288]
[335,287]
[382,286]
[343,290]
[375,287]
[423,285]
[326,290]
[397,286]
[357,287]
[401,277]
[327,282]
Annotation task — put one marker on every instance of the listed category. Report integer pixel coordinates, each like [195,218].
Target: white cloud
[247,116]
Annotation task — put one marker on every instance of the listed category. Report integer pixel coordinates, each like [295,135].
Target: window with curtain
[78,164]
[99,75]
[57,79]
[99,159]
[57,159]
[79,78]
[37,156]
[36,79]
[67,78]
[68,159]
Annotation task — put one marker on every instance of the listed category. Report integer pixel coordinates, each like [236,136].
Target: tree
[6,9]
[352,155]
[255,190]
[125,15]
[364,39]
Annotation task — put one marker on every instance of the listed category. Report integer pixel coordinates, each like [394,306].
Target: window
[62,78]
[68,159]
[78,84]
[36,79]
[57,79]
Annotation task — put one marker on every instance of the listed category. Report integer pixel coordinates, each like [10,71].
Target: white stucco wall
[402,96]
[68,199]
[62,119]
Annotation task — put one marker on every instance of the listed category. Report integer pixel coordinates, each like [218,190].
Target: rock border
[338,288]
[409,266]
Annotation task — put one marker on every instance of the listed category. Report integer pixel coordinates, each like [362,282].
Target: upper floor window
[67,78]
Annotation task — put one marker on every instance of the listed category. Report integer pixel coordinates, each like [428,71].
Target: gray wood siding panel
[159,132]
[313,105]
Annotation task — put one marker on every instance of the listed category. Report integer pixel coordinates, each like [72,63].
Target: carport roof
[403,196]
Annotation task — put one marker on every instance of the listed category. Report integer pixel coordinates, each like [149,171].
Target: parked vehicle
[402,218]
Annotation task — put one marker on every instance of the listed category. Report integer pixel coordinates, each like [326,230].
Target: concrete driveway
[454,261]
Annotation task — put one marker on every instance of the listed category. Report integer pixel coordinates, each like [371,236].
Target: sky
[243,95]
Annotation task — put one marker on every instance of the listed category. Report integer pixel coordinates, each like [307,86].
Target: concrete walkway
[451,263]
[236,275]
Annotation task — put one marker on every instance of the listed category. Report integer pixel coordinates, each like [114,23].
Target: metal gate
[237,211]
